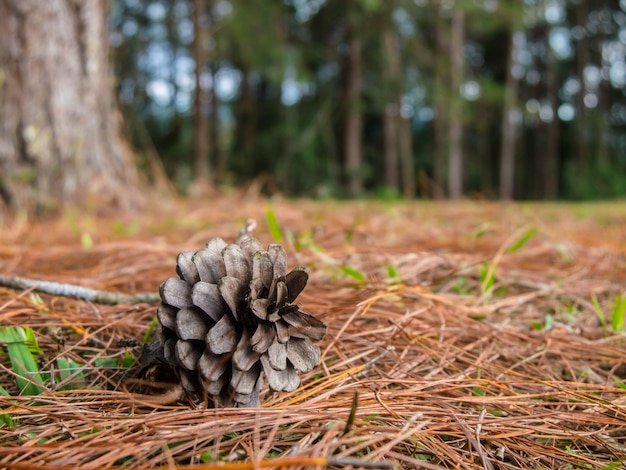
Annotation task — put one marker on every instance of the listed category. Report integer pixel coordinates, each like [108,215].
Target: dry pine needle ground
[459,336]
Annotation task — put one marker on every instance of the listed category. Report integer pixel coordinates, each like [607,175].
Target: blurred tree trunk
[455,171]
[582,60]
[246,118]
[409,186]
[214,133]
[551,158]
[60,138]
[352,140]
[202,172]
[441,80]
[391,75]
[397,130]
[390,148]
[510,123]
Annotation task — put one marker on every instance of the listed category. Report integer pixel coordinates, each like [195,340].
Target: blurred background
[422,98]
[487,99]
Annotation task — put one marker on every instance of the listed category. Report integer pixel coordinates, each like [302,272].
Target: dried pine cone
[230,316]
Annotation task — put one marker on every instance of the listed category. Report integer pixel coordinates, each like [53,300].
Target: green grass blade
[618,312]
[598,310]
[487,277]
[150,330]
[522,240]
[354,274]
[272,223]
[86,241]
[613,465]
[128,360]
[19,342]
[5,419]
[393,274]
[70,374]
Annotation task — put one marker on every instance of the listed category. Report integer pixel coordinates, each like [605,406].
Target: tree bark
[390,149]
[214,133]
[551,161]
[390,130]
[398,148]
[582,60]
[510,123]
[200,124]
[353,116]
[455,171]
[406,156]
[442,76]
[60,138]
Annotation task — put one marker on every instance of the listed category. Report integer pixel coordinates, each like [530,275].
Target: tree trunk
[60,138]
[398,147]
[442,76]
[455,171]
[551,162]
[510,123]
[406,156]
[354,118]
[390,131]
[390,149]
[582,60]
[214,133]
[200,125]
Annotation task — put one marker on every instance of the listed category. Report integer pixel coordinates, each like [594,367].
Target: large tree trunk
[60,137]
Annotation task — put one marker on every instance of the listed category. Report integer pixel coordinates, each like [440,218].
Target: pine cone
[230,316]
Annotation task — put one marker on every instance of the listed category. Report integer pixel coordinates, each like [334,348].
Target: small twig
[79,292]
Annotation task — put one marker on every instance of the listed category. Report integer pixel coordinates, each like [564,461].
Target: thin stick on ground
[78,292]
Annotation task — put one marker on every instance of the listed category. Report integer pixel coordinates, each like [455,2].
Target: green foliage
[71,374]
[613,465]
[22,348]
[599,180]
[547,324]
[487,272]
[295,144]
[5,419]
[617,313]
[393,274]
[522,240]
[126,230]
[354,274]
[272,223]
[150,330]
[86,241]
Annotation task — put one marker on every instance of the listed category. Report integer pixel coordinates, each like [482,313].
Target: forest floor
[460,335]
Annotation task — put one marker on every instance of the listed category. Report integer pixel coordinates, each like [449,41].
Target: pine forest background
[415,98]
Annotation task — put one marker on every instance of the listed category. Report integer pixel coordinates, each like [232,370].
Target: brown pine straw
[446,375]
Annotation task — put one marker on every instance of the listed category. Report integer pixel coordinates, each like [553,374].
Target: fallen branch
[78,292]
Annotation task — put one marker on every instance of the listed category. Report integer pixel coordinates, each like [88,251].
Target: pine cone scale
[222,338]
[192,323]
[208,298]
